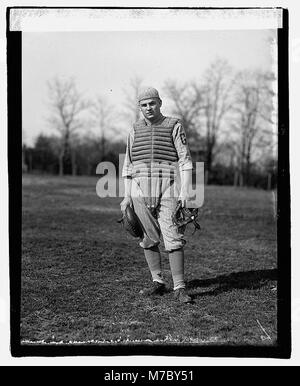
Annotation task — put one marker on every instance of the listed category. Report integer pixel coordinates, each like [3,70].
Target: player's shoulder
[138,123]
[173,121]
[130,133]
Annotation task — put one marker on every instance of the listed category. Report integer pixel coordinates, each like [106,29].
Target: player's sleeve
[182,147]
[127,166]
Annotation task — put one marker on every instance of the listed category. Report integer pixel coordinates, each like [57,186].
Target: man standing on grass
[156,146]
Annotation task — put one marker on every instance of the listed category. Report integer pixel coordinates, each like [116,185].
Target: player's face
[150,108]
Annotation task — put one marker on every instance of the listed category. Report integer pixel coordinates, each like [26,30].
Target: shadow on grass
[235,280]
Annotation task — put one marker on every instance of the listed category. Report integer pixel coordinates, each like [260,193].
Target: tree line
[229,118]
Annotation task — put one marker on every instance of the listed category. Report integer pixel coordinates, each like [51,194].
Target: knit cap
[147,93]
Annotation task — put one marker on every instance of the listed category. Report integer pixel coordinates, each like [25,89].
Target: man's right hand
[126,201]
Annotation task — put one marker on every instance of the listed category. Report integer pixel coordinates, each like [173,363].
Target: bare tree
[131,96]
[67,106]
[216,94]
[102,118]
[253,117]
[203,105]
[187,101]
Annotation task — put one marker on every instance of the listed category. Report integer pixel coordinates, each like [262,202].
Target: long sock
[153,259]
[176,259]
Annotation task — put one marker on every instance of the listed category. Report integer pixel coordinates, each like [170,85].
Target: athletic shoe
[155,290]
[181,295]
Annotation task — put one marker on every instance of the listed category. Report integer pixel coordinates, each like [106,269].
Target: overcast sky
[104,62]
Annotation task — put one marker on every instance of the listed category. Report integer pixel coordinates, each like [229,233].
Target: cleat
[181,295]
[156,289]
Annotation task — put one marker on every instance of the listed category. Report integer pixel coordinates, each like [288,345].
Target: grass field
[82,274]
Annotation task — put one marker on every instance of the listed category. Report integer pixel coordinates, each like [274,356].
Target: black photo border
[14,109]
